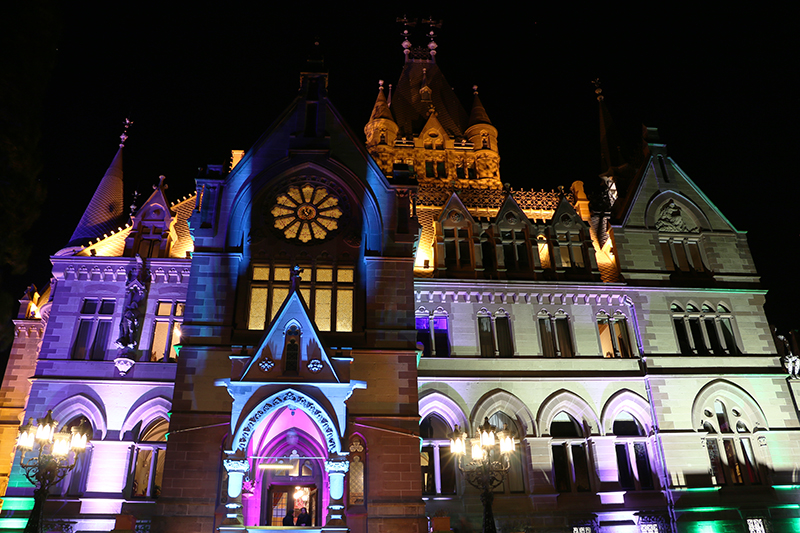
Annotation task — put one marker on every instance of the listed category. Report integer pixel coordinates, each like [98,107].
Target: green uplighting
[700,489]
[786,487]
[706,509]
[11,503]
[13,523]
[786,506]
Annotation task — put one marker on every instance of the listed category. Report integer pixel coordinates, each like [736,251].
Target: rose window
[306,212]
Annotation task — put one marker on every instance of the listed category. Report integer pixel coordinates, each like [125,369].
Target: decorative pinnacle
[474,89]
[597,90]
[161,185]
[380,85]
[124,135]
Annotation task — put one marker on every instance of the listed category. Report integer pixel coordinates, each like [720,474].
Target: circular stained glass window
[306,211]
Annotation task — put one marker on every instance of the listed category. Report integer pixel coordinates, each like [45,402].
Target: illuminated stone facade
[307,328]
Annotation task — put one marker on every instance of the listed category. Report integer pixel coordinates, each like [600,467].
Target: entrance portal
[287,499]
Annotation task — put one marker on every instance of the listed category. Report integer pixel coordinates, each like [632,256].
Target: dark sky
[201,80]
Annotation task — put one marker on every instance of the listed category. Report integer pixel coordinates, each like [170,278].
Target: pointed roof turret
[610,156]
[381,109]
[478,114]
[105,210]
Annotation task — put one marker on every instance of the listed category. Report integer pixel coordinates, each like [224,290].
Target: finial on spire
[389,97]
[124,136]
[161,185]
[474,89]
[597,90]
[380,85]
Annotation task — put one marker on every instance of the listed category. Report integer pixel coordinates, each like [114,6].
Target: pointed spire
[105,210]
[478,114]
[381,109]
[608,159]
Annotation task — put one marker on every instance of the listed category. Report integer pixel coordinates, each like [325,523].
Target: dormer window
[291,351]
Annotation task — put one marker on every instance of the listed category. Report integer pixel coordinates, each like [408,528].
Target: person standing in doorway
[304,519]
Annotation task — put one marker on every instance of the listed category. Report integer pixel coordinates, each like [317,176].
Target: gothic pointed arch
[629,401]
[293,399]
[670,211]
[502,400]
[438,403]
[82,405]
[145,411]
[572,404]
[741,406]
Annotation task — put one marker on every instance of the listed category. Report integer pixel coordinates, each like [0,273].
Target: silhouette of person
[288,520]
[304,519]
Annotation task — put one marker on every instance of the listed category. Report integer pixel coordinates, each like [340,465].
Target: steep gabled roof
[411,111]
[104,212]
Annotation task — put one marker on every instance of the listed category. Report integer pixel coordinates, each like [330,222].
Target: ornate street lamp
[490,452]
[52,460]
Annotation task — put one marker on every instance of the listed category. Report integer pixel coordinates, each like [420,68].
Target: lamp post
[52,460]
[489,464]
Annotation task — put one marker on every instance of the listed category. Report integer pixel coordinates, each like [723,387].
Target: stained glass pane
[258,308]
[329,202]
[324,274]
[176,339]
[305,292]
[279,294]
[356,482]
[319,195]
[294,193]
[282,273]
[322,310]
[344,310]
[344,275]
[308,190]
[261,273]
[305,233]
[160,332]
[319,231]
[284,221]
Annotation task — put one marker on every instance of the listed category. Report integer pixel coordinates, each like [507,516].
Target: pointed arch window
[327,289]
[730,454]
[74,482]
[555,334]
[291,351]
[704,331]
[633,459]
[570,455]
[357,474]
[433,332]
[436,462]
[515,479]
[147,461]
[615,337]
[495,331]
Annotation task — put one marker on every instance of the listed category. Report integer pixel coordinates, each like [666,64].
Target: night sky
[201,80]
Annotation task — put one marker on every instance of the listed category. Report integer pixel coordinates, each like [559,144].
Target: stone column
[336,469]
[236,469]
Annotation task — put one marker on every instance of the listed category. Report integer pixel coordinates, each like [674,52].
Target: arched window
[494,330]
[555,334]
[704,331]
[291,351]
[437,464]
[514,481]
[633,459]
[731,455]
[570,455]
[147,460]
[74,483]
[357,475]
[615,337]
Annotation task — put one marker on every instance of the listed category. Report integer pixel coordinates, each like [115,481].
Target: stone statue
[790,360]
[670,220]
[135,292]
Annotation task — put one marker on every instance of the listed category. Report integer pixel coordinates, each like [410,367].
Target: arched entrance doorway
[286,456]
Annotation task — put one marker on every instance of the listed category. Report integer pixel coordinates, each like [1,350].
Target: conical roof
[381,109]
[478,114]
[105,210]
